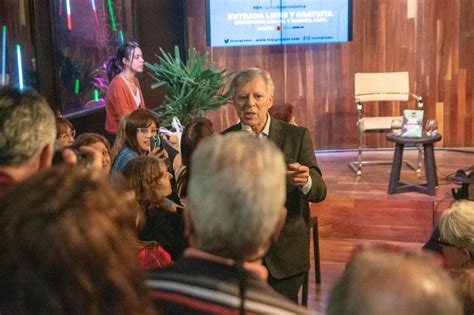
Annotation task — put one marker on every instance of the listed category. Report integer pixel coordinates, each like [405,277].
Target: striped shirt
[195,285]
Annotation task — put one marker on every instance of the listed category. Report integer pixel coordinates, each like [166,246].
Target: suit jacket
[290,254]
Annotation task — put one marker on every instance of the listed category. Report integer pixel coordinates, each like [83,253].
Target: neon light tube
[68,11]
[95,12]
[96,95]
[4,53]
[76,86]
[20,67]
[121,37]
[111,12]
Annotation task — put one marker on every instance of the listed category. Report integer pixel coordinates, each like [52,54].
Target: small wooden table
[429,188]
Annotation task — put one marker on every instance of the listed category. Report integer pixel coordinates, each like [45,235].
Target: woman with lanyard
[124,94]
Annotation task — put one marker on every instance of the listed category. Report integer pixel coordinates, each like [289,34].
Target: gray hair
[382,282]
[456,225]
[236,194]
[250,74]
[27,125]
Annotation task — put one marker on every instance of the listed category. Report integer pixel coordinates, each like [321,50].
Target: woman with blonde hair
[456,227]
[456,240]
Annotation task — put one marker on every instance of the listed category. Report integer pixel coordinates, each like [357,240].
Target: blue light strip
[4,53]
[20,67]
[121,37]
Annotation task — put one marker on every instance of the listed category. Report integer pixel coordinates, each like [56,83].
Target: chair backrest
[382,86]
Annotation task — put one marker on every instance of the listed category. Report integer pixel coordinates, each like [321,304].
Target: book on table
[412,123]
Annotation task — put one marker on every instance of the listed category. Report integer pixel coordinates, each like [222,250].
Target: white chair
[380,88]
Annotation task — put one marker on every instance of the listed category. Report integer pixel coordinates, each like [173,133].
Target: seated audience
[68,247]
[379,281]
[235,210]
[149,178]
[99,143]
[65,132]
[194,132]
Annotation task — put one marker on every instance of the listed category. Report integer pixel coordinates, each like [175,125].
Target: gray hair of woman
[456,225]
[236,195]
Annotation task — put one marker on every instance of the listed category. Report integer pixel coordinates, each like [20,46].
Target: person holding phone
[142,125]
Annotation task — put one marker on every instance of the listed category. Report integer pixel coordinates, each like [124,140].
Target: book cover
[412,123]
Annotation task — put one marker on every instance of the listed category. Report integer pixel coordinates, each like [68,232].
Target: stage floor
[358,209]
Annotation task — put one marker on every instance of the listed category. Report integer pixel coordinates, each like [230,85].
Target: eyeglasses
[65,135]
[145,131]
[443,243]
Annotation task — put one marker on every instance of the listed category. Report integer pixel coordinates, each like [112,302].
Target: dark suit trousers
[288,287]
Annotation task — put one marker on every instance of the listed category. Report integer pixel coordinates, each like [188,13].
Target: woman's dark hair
[139,118]
[115,64]
[68,247]
[88,138]
[198,129]
[61,125]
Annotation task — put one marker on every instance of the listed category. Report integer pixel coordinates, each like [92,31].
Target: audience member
[124,94]
[150,254]
[99,143]
[284,112]
[140,126]
[378,281]
[288,259]
[194,132]
[149,178]
[68,247]
[65,132]
[235,210]
[457,235]
[27,135]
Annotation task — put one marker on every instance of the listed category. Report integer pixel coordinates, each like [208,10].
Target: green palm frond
[192,87]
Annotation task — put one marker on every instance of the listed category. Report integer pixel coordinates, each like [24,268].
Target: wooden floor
[358,209]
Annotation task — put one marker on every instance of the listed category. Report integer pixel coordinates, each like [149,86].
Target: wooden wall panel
[432,39]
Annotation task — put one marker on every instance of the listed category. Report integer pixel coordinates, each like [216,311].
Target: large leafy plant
[193,87]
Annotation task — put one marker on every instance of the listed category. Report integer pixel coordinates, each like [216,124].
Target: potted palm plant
[193,87]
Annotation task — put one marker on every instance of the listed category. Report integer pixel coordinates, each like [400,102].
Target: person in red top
[124,94]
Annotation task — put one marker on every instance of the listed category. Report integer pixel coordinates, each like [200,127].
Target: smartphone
[58,154]
[156,142]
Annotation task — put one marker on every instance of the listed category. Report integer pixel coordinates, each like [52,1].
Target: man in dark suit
[288,259]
